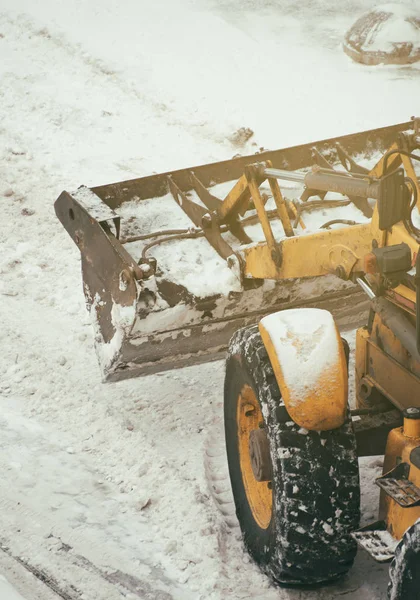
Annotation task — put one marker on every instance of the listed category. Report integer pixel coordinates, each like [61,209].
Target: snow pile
[306,343]
[7,592]
[192,263]
[122,318]
[390,33]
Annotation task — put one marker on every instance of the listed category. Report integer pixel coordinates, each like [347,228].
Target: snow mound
[7,592]
[388,34]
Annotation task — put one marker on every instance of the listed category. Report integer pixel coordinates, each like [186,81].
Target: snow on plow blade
[162,268]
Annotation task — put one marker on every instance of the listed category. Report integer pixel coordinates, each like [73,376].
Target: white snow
[122,318]
[399,27]
[7,592]
[327,528]
[306,344]
[96,92]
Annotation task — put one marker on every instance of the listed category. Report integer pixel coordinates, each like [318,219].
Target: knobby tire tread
[315,479]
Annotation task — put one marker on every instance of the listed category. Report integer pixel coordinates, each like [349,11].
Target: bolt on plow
[262,259]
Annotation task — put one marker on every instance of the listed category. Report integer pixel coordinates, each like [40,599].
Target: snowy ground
[104,490]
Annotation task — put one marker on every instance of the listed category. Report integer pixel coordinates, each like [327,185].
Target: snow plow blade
[162,269]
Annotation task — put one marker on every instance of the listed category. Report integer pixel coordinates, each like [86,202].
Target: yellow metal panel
[324,406]
[234,198]
[404,297]
[324,252]
[311,255]
[412,428]
[406,292]
[262,215]
[281,207]
[393,162]
[399,234]
[362,337]
[383,337]
[398,450]
[391,378]
[387,342]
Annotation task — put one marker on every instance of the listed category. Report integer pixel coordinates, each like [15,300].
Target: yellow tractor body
[286,408]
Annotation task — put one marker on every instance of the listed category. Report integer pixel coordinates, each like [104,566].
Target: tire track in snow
[217,473]
[74,562]
[42,576]
[110,456]
[64,119]
[231,550]
[153,110]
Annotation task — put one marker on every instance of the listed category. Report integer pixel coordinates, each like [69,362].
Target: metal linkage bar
[330,181]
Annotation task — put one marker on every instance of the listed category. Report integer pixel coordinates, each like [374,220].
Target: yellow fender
[307,356]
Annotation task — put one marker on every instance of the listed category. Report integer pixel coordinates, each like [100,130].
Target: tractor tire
[404,573]
[296,521]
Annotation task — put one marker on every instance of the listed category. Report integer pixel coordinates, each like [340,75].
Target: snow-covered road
[104,489]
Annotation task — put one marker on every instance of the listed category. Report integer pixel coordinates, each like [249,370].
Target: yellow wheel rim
[259,493]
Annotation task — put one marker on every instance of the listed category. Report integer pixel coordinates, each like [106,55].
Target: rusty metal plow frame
[227,212]
[114,280]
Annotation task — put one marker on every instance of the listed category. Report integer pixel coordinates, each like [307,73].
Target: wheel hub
[259,452]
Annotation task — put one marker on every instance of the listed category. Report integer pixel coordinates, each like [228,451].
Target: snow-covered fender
[307,356]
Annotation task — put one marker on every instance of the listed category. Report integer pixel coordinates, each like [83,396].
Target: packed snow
[306,344]
[7,592]
[105,489]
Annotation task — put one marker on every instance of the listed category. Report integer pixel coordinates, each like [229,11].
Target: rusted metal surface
[109,272]
[216,205]
[95,207]
[259,452]
[208,340]
[201,218]
[400,386]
